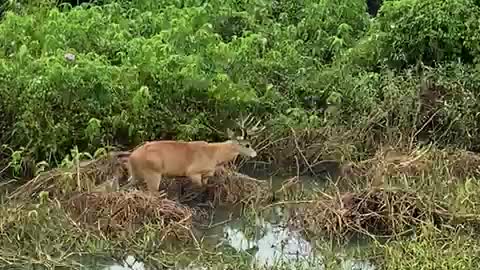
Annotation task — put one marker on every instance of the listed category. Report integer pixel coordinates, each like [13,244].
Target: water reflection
[352,264]
[277,243]
[130,263]
[269,240]
[269,243]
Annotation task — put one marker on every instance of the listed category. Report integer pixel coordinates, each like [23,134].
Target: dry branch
[86,177]
[127,211]
[374,211]
[226,187]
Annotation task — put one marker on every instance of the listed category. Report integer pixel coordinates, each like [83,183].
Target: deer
[196,160]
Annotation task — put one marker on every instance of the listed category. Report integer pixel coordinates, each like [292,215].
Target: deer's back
[170,157]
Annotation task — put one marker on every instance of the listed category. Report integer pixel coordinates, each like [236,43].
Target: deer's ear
[230,133]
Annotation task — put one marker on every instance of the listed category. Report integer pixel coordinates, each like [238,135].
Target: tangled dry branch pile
[239,188]
[114,212]
[306,150]
[226,187]
[86,176]
[390,163]
[370,211]
[379,212]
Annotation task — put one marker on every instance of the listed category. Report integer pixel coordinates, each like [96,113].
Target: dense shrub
[431,31]
[142,74]
[158,69]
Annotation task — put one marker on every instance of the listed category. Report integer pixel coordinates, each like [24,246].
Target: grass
[432,248]
[396,190]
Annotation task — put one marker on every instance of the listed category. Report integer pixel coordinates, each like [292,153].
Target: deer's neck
[224,151]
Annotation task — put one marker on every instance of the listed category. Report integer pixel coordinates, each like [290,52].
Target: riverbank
[403,204]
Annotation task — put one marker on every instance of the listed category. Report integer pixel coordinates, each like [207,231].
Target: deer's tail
[121,154]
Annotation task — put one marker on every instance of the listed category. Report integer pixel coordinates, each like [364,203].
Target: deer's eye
[247,145]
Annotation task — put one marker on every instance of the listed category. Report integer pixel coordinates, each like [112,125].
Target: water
[267,237]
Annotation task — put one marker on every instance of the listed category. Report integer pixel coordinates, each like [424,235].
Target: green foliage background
[161,69]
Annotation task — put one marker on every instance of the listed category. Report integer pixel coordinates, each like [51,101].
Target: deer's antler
[252,130]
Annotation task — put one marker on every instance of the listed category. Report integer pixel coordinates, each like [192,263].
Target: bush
[142,74]
[155,70]
[431,31]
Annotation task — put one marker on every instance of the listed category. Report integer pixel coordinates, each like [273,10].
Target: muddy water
[267,237]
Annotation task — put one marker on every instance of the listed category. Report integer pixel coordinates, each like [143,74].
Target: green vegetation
[327,80]
[151,70]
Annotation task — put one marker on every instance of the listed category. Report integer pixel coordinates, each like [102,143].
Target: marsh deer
[155,159]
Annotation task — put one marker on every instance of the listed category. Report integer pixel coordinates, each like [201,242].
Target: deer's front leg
[208,173]
[196,179]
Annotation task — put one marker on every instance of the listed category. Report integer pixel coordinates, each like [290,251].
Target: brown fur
[153,160]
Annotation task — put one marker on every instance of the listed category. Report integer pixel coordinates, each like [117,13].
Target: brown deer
[196,160]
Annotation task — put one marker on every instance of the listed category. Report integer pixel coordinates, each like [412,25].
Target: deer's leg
[130,182]
[134,178]
[208,174]
[220,168]
[153,182]
[180,191]
[196,179]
